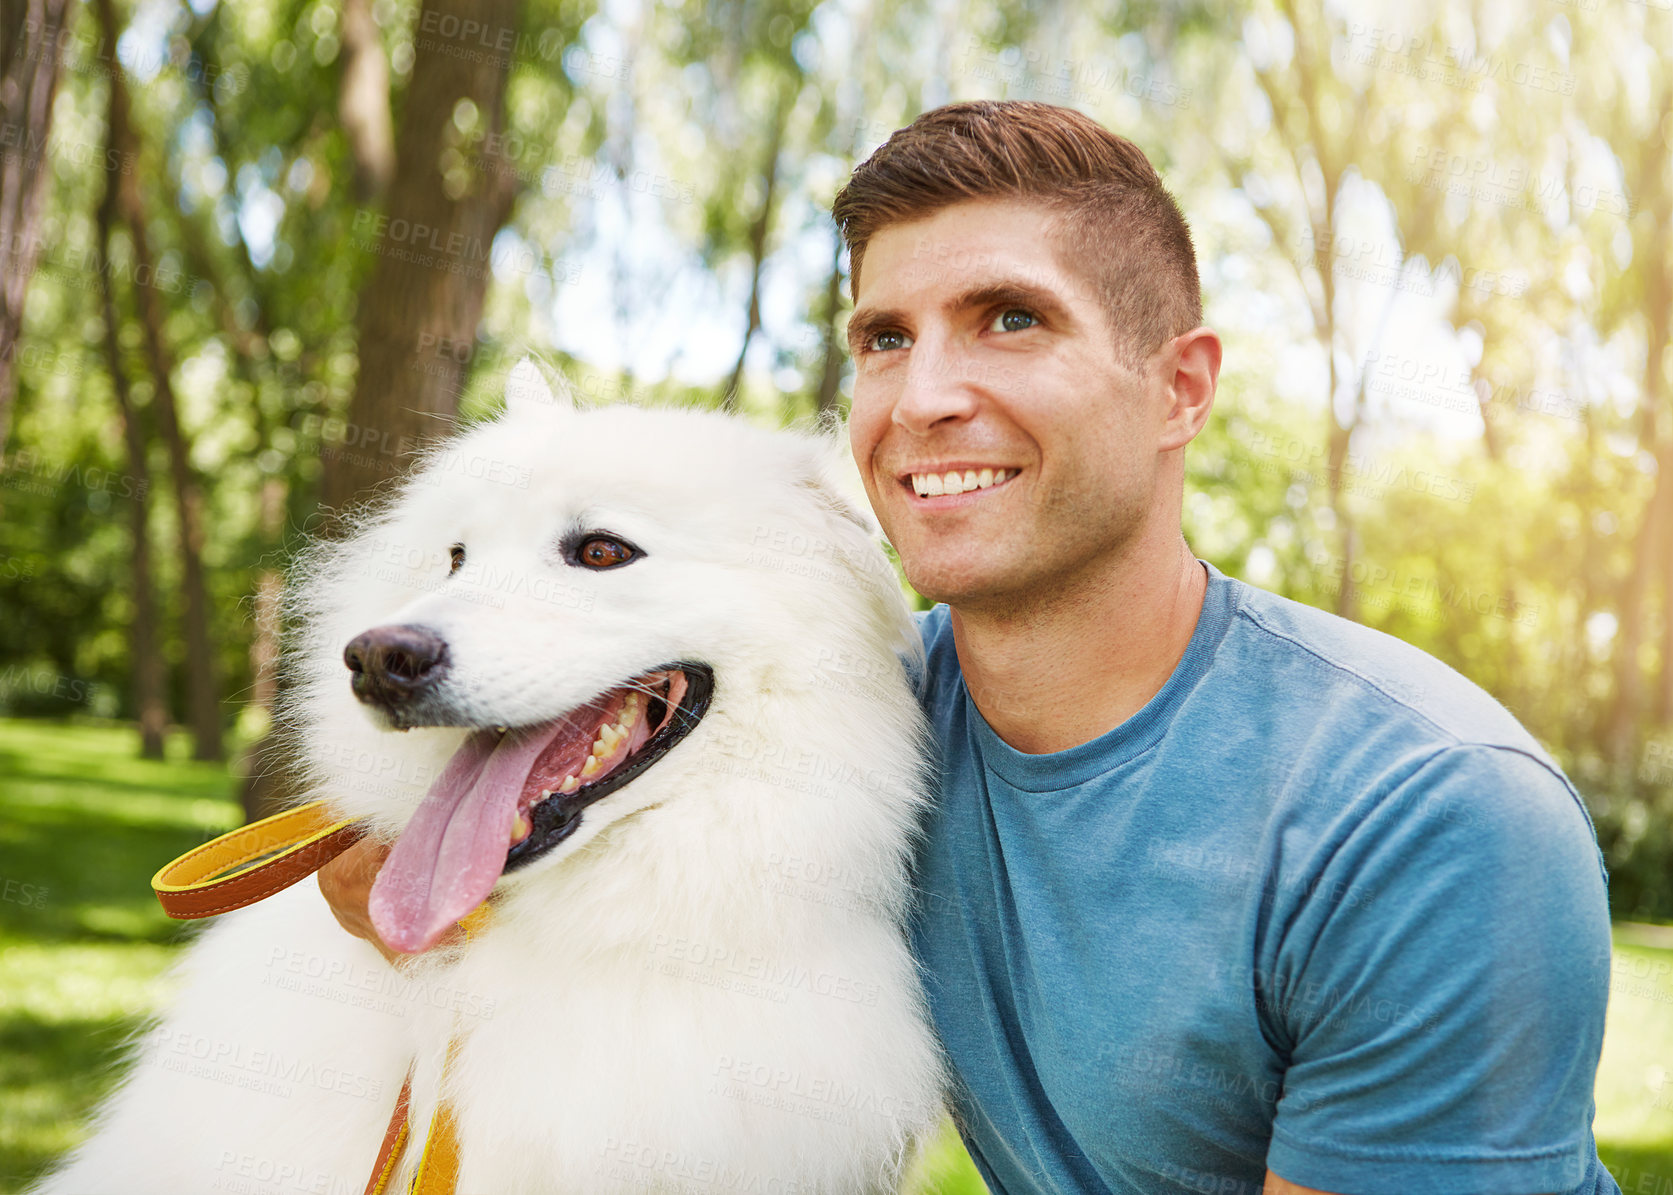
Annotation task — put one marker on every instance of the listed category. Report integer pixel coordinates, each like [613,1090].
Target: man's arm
[1440,985]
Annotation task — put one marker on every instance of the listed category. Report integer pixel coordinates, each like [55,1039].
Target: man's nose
[941,384]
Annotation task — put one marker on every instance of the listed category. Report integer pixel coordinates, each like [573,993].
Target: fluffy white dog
[693,840]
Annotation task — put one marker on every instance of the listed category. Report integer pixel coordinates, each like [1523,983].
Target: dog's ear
[527,389]
[830,477]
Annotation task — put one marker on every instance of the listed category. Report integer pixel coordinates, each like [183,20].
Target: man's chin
[966,586]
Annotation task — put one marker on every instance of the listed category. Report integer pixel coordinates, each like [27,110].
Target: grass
[83,944]
[1634,1122]
[83,947]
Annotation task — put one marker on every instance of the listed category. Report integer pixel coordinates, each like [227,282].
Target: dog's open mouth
[508,796]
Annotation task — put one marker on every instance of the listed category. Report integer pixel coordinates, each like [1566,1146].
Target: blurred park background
[253,254]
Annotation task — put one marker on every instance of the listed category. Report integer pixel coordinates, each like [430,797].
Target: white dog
[693,976]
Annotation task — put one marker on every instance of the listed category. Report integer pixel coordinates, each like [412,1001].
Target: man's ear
[1190,372]
[527,389]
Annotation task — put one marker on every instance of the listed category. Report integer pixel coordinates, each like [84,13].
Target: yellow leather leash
[252,863]
[438,1166]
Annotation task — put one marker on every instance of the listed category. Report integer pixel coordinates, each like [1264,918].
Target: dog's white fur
[707,987]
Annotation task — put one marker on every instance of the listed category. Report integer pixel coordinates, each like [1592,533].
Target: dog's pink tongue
[450,855]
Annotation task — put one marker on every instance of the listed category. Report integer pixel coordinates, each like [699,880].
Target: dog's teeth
[590,768]
[569,785]
[522,827]
[545,793]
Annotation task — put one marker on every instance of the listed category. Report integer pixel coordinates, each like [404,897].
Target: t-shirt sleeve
[1440,989]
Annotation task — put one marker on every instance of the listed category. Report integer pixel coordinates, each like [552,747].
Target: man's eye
[602,551]
[457,554]
[1014,320]
[885,342]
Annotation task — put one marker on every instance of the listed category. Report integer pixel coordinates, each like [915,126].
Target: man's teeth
[934,485]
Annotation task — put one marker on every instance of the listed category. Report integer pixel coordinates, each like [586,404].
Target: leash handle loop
[253,862]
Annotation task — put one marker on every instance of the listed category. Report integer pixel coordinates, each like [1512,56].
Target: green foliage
[1456,272]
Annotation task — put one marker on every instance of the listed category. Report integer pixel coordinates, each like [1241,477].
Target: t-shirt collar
[1059,770]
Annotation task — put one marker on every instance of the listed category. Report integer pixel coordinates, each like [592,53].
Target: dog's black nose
[394,664]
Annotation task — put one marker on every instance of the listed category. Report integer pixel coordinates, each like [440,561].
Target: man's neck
[1085,661]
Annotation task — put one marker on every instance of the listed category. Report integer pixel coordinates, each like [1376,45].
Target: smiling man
[1221,894]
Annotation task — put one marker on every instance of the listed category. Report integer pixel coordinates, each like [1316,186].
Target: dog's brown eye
[600,551]
[457,554]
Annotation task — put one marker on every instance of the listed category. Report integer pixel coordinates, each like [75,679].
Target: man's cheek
[867,420]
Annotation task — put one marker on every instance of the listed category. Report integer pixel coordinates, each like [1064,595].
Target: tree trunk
[1627,715]
[30,47]
[1336,459]
[1664,691]
[363,102]
[830,374]
[759,231]
[418,314]
[260,792]
[202,687]
[145,648]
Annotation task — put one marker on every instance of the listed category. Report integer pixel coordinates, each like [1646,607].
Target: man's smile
[952,480]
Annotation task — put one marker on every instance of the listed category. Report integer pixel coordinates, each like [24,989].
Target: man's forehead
[977,243]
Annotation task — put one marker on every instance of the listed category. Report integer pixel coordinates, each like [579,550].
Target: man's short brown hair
[1120,229]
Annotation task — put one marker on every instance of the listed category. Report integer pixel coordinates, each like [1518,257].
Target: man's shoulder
[1304,682]
[1314,659]
[1408,740]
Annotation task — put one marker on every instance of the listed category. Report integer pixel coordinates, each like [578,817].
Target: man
[1222,894]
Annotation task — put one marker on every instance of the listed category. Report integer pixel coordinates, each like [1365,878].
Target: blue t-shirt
[1321,905]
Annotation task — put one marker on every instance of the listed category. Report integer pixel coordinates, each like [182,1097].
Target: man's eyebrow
[864,324]
[1042,300]
[1008,292]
